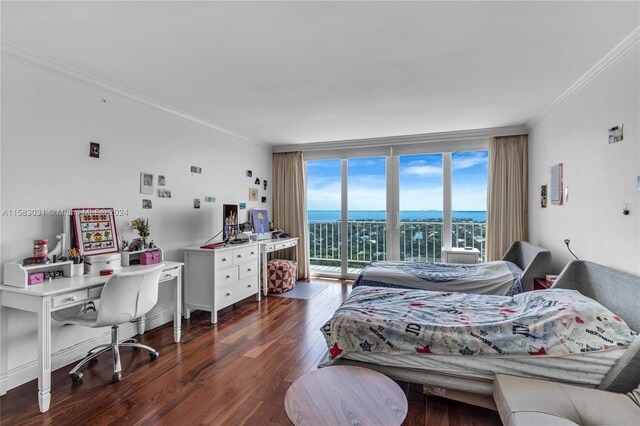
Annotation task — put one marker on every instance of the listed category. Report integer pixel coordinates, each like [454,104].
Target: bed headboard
[620,293]
[533,260]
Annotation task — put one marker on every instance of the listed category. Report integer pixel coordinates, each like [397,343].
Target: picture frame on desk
[95,231]
[261,224]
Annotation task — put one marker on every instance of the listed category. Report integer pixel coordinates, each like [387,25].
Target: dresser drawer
[239,255]
[226,276]
[69,298]
[234,292]
[247,269]
[224,259]
[253,253]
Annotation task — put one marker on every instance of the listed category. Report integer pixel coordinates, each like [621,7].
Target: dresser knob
[249,286]
[72,299]
[248,269]
[228,294]
[228,276]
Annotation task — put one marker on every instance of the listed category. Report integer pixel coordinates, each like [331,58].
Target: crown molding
[58,69]
[454,136]
[618,52]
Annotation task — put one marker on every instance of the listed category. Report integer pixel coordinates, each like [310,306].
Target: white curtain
[506,194]
[290,202]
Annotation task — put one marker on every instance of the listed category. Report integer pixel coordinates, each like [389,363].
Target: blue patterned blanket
[397,321]
[499,277]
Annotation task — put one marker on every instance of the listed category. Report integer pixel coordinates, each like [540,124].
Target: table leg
[263,266]
[177,314]
[44,355]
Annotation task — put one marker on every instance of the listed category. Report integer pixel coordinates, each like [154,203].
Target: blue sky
[420,182]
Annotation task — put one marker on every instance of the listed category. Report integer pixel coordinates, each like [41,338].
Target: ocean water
[334,215]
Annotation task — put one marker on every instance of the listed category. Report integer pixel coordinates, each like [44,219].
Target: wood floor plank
[234,372]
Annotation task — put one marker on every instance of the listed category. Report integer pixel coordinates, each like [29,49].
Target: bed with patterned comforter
[499,277]
[417,322]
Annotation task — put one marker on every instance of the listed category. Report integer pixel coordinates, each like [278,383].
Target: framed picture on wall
[261,224]
[146,183]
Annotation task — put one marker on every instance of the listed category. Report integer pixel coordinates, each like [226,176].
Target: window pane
[367,216]
[421,207]
[323,213]
[469,175]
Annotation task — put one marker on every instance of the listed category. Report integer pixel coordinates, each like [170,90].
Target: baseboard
[26,372]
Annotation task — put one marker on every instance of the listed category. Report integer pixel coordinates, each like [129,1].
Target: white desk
[269,246]
[61,293]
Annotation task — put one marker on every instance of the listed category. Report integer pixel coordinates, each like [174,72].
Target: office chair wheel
[116,377]
[76,377]
[154,355]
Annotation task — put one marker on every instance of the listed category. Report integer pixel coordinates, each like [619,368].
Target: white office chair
[125,297]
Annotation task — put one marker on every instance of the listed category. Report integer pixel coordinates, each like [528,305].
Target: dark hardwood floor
[234,372]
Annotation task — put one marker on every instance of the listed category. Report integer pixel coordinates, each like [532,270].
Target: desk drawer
[64,299]
[226,276]
[286,244]
[247,269]
[169,275]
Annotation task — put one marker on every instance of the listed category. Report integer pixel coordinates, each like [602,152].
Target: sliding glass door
[367,212]
[406,207]
[420,224]
[324,215]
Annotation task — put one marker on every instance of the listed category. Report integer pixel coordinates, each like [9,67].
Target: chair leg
[117,368]
[153,354]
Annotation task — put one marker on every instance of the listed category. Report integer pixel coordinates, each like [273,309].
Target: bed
[614,366]
[509,276]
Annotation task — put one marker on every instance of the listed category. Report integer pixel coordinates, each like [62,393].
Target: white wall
[47,124]
[601,177]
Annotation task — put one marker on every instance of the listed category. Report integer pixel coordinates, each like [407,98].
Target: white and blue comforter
[417,322]
[500,277]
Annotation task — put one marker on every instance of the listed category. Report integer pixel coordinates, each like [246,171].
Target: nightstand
[461,255]
[541,283]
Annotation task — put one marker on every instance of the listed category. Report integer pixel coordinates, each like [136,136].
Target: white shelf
[17,275]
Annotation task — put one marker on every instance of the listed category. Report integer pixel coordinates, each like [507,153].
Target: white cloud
[423,170]
[470,160]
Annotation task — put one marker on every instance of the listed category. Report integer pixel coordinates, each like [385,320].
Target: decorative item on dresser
[217,278]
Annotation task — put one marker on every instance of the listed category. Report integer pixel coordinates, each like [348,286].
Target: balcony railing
[367,240]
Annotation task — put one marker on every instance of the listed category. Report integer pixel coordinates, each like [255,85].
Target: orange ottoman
[281,275]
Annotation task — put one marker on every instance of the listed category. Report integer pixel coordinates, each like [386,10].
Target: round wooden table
[344,395]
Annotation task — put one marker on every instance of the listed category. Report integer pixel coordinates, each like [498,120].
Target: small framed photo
[249,173]
[146,183]
[94,149]
[615,134]
[257,182]
[161,180]
[196,203]
[253,194]
[146,204]
[543,196]
[264,199]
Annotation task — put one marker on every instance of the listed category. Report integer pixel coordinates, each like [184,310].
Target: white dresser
[215,279]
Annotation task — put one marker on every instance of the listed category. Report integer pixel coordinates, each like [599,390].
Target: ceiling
[299,72]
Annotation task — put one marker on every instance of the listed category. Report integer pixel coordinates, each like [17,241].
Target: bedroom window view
[367,212]
[469,177]
[323,214]
[421,207]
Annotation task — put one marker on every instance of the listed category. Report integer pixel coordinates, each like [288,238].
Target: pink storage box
[36,278]
[150,257]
